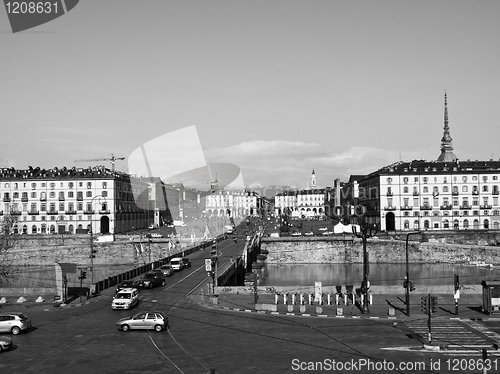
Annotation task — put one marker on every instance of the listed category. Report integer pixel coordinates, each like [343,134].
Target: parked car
[297,234]
[166,270]
[125,299]
[156,235]
[144,321]
[309,233]
[152,279]
[186,262]
[14,322]
[126,284]
[153,226]
[177,264]
[5,343]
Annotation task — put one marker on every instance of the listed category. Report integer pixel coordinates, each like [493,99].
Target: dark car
[126,284]
[152,279]
[187,262]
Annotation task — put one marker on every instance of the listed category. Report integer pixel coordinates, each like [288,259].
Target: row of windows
[445,180]
[445,201]
[14,207]
[52,195]
[445,189]
[52,185]
[456,224]
[456,213]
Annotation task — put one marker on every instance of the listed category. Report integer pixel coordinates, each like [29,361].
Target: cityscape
[249,187]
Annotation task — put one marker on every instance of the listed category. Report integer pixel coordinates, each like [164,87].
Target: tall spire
[447,154]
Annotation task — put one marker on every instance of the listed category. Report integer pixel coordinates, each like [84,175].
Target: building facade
[74,200]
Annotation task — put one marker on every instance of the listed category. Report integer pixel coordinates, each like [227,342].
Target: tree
[8,240]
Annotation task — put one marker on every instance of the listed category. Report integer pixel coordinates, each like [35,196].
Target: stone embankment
[339,250]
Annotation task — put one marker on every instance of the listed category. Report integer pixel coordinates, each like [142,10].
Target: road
[84,339]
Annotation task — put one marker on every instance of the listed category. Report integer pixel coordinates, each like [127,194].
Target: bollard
[276,298]
[301,299]
[329,299]
[285,298]
[310,298]
[293,298]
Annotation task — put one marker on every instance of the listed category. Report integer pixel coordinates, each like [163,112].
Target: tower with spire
[313,180]
[447,154]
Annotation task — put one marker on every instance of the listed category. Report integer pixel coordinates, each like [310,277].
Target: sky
[276,87]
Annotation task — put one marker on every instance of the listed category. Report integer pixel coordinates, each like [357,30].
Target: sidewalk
[388,306]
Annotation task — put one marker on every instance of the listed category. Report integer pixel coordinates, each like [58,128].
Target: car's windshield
[123,296]
[175,262]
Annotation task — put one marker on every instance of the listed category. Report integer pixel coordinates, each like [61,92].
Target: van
[176,263]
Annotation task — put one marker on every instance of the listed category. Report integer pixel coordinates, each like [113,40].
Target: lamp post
[407,277]
[92,235]
[367,230]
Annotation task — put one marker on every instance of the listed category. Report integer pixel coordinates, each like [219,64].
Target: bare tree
[8,240]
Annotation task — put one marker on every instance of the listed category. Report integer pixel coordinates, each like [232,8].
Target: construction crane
[112,159]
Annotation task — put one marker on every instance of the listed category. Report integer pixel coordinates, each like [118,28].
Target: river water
[379,274]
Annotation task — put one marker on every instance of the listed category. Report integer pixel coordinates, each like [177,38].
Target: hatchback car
[125,299]
[186,262]
[14,322]
[166,270]
[144,321]
[152,279]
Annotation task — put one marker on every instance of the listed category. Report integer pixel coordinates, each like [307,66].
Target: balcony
[445,207]
[6,199]
[406,207]
[15,213]
[88,212]
[455,193]
[24,199]
[70,212]
[485,207]
[390,207]
[79,198]
[425,207]
[61,198]
[389,194]
[495,192]
[52,212]
[465,207]
[43,198]
[33,212]
[104,212]
[475,192]
[415,193]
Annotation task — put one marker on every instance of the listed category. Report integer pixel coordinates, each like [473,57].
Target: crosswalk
[454,336]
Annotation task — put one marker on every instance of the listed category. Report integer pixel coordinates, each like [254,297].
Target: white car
[296,234]
[156,235]
[323,229]
[310,233]
[126,298]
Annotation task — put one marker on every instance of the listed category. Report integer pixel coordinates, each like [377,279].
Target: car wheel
[15,330]
[151,286]
[163,282]
[125,328]
[158,328]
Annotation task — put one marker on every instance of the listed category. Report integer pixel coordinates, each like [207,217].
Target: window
[436,201]
[426,189]
[71,184]
[104,185]
[33,195]
[52,207]
[15,195]
[464,179]
[415,202]
[405,190]
[405,180]
[88,194]
[406,202]
[80,184]
[71,194]
[89,184]
[104,193]
[416,179]
[33,185]
[61,207]
[15,186]
[445,189]
[485,188]
[80,207]
[485,178]
[52,194]
[464,189]
[61,195]
[43,207]
[52,186]
[425,179]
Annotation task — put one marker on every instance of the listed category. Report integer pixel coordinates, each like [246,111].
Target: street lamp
[367,230]
[409,285]
[92,234]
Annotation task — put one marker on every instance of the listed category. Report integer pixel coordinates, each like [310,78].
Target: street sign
[208,264]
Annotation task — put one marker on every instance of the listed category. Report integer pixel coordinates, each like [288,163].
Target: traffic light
[424,307]
[83,275]
[434,304]
[405,284]
[92,253]
[412,287]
